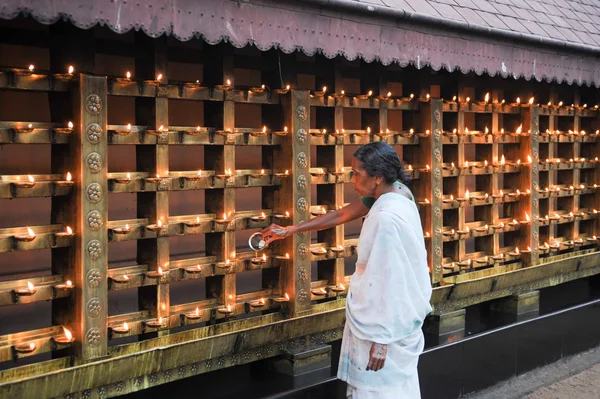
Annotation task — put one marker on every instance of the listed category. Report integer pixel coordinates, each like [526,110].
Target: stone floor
[575,377]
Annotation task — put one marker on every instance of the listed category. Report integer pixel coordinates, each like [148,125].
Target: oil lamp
[224,265]
[122,329]
[67,233]
[259,303]
[154,323]
[226,310]
[30,182]
[30,290]
[120,279]
[338,288]
[259,218]
[155,274]
[319,291]
[25,347]
[30,236]
[67,338]
[195,315]
[194,269]
[67,182]
[64,130]
[281,299]
[67,286]
[259,260]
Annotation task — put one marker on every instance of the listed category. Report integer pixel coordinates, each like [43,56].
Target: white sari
[387,302]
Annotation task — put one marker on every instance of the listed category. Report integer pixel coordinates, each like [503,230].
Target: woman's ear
[378,180]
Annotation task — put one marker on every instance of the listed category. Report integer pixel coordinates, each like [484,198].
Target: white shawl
[389,295]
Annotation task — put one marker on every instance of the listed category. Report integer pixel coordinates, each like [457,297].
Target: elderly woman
[389,292]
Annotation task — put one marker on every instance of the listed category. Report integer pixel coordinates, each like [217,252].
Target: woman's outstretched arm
[350,212]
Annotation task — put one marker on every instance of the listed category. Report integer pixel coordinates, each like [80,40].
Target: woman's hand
[377,356]
[274,232]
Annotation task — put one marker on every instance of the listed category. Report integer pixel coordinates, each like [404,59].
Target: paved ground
[575,377]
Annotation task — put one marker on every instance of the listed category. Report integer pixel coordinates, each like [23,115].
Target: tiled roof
[571,21]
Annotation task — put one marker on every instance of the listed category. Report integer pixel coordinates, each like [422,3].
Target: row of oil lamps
[229,174]
[323,92]
[162,130]
[29,347]
[30,128]
[468,232]
[517,253]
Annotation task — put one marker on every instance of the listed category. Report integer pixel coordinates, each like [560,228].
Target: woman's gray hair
[381,160]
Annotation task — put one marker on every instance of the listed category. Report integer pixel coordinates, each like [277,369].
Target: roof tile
[513,24]
[471,16]
[401,4]
[450,2]
[485,5]
[585,38]
[506,10]
[569,35]
[522,4]
[466,3]
[526,15]
[542,17]
[564,4]
[552,32]
[534,28]
[492,20]
[559,21]
[551,9]
[567,13]
[447,11]
[596,38]
[423,7]
[590,28]
[584,17]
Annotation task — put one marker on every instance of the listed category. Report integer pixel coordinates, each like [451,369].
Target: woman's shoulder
[403,190]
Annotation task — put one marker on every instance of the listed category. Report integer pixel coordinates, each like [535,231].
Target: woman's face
[364,184]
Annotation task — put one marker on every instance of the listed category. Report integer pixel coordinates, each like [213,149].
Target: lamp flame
[69,230]
[69,177]
[68,334]
[71,69]
[159,77]
[30,286]
[31,179]
[70,125]
[519,129]
[128,75]
[487,97]
[287,296]
[30,232]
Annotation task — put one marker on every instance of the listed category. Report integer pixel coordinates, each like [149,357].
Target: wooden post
[576,171]
[530,180]
[294,197]
[552,173]
[86,210]
[154,159]
[497,122]
[433,115]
